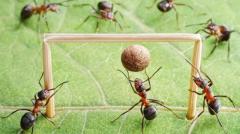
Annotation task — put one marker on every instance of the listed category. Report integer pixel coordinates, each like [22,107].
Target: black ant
[148,111]
[29,118]
[220,32]
[166,5]
[103,11]
[29,10]
[212,100]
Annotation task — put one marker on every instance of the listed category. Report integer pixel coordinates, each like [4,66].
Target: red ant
[103,11]
[212,100]
[148,111]
[166,5]
[29,10]
[29,118]
[220,32]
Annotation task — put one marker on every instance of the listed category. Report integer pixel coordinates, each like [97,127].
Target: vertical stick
[196,61]
[48,79]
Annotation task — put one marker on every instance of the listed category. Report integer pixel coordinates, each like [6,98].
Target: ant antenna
[152,74]
[204,23]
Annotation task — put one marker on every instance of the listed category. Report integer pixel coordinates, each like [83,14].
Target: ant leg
[142,124]
[148,79]
[176,15]
[62,3]
[152,4]
[218,120]
[181,4]
[32,129]
[156,100]
[129,80]
[116,21]
[126,111]
[46,22]
[200,112]
[153,74]
[228,54]
[83,5]
[196,92]
[48,119]
[215,46]
[85,20]
[34,99]
[141,109]
[97,27]
[35,2]
[159,103]
[59,85]
[39,82]
[115,13]
[199,30]
[23,109]
[38,24]
[54,92]
[224,96]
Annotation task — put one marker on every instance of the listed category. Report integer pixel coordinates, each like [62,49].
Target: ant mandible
[212,100]
[220,32]
[103,11]
[29,118]
[148,111]
[166,5]
[29,10]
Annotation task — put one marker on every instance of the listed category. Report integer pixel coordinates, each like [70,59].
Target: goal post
[143,37]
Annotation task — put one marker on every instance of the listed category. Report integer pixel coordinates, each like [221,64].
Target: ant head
[200,82]
[138,84]
[150,112]
[43,94]
[53,7]
[105,5]
[211,26]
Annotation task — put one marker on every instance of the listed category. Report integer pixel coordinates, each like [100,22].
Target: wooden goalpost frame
[143,37]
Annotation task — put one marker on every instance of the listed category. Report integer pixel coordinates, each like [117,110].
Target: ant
[212,100]
[29,118]
[148,111]
[29,10]
[220,32]
[166,5]
[103,11]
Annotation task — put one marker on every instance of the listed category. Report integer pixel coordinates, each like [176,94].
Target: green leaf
[91,68]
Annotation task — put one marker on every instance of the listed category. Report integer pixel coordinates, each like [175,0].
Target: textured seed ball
[135,58]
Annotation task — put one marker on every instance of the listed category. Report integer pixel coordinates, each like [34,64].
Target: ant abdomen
[214,106]
[26,12]
[27,120]
[164,6]
[150,112]
[105,5]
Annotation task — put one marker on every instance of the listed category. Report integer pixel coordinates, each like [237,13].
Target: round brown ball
[135,58]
